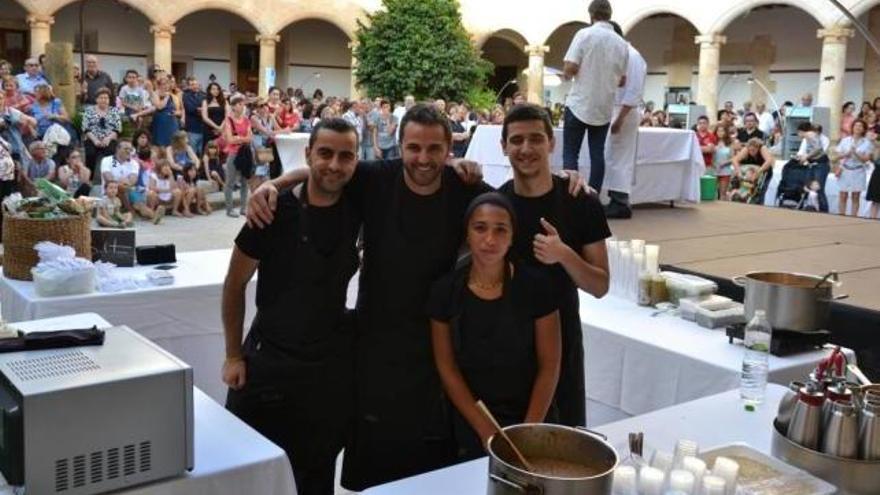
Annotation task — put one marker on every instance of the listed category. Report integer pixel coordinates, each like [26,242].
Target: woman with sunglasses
[101,126]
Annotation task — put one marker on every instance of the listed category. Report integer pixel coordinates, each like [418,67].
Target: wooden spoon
[485,410]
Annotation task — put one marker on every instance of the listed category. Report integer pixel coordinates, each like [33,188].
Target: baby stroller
[795,178]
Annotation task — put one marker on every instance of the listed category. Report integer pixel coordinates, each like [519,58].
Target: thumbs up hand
[549,248]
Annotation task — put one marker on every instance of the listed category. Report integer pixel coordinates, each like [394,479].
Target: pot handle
[509,484]
[834,298]
[592,432]
[740,281]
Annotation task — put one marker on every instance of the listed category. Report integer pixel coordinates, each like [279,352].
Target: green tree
[418,47]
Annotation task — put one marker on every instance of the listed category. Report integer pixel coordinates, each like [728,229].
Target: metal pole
[82,45]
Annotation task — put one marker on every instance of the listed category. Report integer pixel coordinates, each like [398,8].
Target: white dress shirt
[632,94]
[766,123]
[601,56]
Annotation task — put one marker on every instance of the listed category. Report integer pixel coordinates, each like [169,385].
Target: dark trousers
[572,140]
[820,170]
[94,155]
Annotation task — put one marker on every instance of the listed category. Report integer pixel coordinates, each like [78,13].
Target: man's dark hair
[750,114]
[805,127]
[335,124]
[600,10]
[525,113]
[617,28]
[131,71]
[721,113]
[703,117]
[426,115]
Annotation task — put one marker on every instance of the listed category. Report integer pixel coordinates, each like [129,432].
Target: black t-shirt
[743,135]
[273,246]
[579,220]
[377,189]
[531,291]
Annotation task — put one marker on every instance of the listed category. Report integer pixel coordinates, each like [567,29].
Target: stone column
[162,46]
[871,77]
[267,59]
[710,65]
[832,71]
[535,92]
[41,33]
[354,92]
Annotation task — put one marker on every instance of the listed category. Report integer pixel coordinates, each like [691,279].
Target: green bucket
[708,188]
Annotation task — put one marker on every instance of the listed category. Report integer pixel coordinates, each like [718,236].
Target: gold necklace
[485,286]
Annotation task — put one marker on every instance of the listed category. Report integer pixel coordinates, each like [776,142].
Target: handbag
[244,157]
[155,255]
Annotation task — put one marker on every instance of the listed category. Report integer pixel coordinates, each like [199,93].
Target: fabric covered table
[230,457]
[183,318]
[292,149]
[711,421]
[668,162]
[639,363]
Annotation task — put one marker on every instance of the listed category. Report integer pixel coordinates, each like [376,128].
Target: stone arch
[858,8]
[654,10]
[505,49]
[559,40]
[345,23]
[815,9]
[509,35]
[145,8]
[314,53]
[230,7]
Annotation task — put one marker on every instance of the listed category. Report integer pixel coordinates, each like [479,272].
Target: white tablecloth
[292,149]
[668,162]
[183,318]
[638,363]
[832,191]
[230,457]
[712,422]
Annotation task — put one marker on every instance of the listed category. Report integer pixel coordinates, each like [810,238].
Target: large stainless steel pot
[851,476]
[545,441]
[792,301]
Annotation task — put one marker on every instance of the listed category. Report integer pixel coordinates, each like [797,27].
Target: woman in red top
[707,140]
[236,133]
[289,117]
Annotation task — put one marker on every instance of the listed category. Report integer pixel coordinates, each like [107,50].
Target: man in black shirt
[563,234]
[292,380]
[412,209]
[750,129]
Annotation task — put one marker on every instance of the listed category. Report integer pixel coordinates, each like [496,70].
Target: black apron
[498,361]
[571,394]
[401,426]
[299,355]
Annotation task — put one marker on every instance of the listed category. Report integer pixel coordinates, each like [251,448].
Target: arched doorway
[117,33]
[315,54]
[14,34]
[666,41]
[775,45]
[216,45]
[558,42]
[505,49]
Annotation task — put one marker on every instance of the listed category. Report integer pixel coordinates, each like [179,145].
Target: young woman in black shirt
[495,331]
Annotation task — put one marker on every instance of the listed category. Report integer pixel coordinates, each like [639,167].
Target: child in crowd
[212,168]
[723,160]
[109,212]
[74,176]
[194,197]
[163,188]
[811,199]
[746,185]
[181,154]
[133,98]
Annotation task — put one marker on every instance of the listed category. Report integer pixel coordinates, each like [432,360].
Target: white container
[785,474]
[52,283]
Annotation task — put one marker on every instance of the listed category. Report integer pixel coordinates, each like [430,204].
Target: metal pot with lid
[568,461]
[792,301]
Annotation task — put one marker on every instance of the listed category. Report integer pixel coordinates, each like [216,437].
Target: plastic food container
[680,285]
[51,283]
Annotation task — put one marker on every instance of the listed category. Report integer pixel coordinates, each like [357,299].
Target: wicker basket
[20,235]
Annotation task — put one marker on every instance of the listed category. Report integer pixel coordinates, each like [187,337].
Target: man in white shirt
[122,168]
[620,150]
[597,60]
[409,101]
[766,122]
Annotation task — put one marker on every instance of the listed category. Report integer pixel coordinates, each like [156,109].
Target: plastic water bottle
[755,368]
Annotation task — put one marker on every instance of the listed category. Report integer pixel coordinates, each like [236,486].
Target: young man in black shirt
[750,129]
[292,380]
[563,234]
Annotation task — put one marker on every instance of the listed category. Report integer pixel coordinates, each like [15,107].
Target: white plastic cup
[651,481]
[682,481]
[713,485]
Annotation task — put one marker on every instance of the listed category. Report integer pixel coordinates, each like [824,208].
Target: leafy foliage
[418,47]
